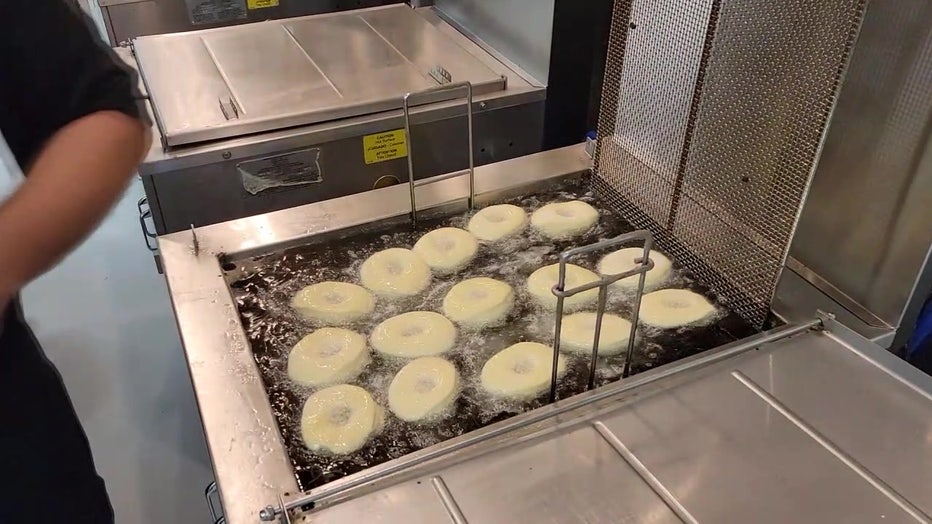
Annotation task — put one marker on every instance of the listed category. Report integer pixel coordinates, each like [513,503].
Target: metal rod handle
[406,106]
[211,492]
[644,264]
[145,213]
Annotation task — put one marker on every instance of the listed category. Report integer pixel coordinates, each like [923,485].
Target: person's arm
[69,188]
[69,112]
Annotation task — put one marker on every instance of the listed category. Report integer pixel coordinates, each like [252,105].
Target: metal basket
[712,121]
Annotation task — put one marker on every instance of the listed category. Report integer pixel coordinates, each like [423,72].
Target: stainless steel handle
[145,213]
[644,264]
[436,94]
[211,492]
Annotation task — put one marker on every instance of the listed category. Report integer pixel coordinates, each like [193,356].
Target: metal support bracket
[210,493]
[145,213]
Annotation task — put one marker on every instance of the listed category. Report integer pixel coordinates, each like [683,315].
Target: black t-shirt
[54,69]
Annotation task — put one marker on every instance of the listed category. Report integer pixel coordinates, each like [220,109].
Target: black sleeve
[54,70]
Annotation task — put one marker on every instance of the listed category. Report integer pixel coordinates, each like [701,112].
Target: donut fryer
[263,286]
[731,432]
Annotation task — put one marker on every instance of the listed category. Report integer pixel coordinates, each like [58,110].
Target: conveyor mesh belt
[712,119]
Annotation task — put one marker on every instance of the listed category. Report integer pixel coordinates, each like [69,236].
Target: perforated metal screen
[712,119]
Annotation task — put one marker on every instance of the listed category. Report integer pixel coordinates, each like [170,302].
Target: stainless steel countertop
[226,82]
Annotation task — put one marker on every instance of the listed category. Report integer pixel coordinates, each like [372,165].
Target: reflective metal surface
[798,299]
[865,227]
[754,437]
[521,30]
[227,82]
[127,19]
[200,184]
[205,194]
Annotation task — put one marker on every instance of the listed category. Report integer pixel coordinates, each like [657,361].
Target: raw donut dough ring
[340,419]
[579,332]
[328,356]
[497,222]
[395,273]
[423,389]
[521,372]
[479,302]
[540,286]
[673,308]
[624,260]
[414,334]
[333,303]
[447,250]
[564,219]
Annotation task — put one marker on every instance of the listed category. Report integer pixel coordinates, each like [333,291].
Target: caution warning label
[259,4]
[384,146]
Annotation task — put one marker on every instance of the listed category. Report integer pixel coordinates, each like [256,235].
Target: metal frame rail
[432,94]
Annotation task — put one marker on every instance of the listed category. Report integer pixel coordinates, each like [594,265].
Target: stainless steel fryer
[264,116]
[807,422]
[581,443]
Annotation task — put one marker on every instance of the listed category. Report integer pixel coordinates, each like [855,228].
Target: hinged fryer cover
[712,119]
[227,82]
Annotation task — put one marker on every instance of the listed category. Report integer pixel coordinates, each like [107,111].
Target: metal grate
[712,121]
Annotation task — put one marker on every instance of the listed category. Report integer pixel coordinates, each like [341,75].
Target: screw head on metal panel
[227,155]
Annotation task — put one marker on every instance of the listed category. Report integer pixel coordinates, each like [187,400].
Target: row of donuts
[478,302]
[398,273]
[340,419]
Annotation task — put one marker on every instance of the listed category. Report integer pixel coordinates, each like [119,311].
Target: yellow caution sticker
[384,146]
[260,4]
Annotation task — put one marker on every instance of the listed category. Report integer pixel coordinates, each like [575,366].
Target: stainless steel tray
[227,82]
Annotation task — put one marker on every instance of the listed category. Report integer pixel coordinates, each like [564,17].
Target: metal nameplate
[215,11]
[297,168]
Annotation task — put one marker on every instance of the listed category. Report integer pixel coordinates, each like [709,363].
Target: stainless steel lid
[227,82]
